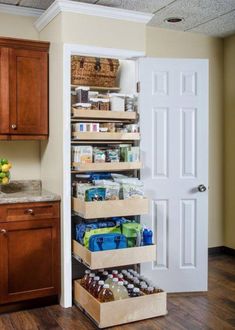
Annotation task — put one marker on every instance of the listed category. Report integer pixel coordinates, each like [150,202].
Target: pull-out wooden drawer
[29,211]
[120,311]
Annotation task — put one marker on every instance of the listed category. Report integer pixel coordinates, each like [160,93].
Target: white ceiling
[211,17]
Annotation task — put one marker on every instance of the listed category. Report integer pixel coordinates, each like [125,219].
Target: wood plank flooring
[212,310]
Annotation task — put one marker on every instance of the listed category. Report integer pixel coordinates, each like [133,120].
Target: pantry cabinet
[23,89]
[29,245]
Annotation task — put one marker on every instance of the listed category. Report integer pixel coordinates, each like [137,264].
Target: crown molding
[59,6]
[22,11]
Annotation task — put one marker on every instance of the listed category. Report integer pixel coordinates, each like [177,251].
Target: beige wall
[72,28]
[229,130]
[168,43]
[25,155]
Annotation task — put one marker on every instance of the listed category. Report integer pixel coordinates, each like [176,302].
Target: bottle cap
[106,286]
[101,282]
[120,282]
[120,275]
[135,278]
[115,272]
[115,279]
[87,271]
[130,270]
[105,273]
[125,283]
[110,276]
[142,282]
[130,286]
[124,271]
[101,270]
[150,289]
[96,278]
[136,281]
[136,290]
[92,275]
[144,286]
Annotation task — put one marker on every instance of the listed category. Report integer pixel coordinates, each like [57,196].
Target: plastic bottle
[120,277]
[105,294]
[93,284]
[150,290]
[98,288]
[120,292]
[115,273]
[100,272]
[89,280]
[156,289]
[136,283]
[125,283]
[113,286]
[144,288]
[104,275]
[130,287]
[147,237]
[135,293]
[109,279]
[85,278]
[130,278]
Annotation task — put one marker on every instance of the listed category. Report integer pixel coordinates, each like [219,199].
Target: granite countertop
[25,191]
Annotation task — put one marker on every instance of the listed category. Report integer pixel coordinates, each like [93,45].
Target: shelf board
[99,114]
[99,88]
[111,208]
[98,136]
[114,258]
[109,314]
[106,167]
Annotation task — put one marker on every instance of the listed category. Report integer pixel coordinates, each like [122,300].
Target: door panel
[4,91]
[28,100]
[30,254]
[174,143]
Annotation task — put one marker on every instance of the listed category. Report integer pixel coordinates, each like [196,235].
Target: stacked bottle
[116,285]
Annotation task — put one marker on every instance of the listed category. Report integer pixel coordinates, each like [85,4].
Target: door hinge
[138,87]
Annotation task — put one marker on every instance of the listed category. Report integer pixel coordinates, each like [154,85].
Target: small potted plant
[5,167]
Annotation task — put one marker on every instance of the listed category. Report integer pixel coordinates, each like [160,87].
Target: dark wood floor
[213,310]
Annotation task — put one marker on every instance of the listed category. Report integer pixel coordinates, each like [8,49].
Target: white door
[174,144]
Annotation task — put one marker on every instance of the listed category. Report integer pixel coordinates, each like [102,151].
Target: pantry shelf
[106,167]
[121,311]
[99,114]
[112,208]
[113,258]
[96,136]
[99,88]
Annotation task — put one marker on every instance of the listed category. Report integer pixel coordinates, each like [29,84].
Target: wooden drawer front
[112,258]
[31,211]
[120,311]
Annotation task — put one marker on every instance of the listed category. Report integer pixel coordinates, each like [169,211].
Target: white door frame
[66,252]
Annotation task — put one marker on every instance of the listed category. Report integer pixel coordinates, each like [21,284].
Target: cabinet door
[29,260]
[4,90]
[28,92]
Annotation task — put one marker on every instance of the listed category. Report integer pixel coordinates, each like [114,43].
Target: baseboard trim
[221,250]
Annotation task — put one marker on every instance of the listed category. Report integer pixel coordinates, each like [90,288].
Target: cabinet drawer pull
[3,231]
[13,126]
[29,211]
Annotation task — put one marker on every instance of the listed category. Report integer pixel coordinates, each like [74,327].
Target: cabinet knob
[13,126]
[29,211]
[3,231]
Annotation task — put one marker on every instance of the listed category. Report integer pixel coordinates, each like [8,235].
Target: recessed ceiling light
[173,19]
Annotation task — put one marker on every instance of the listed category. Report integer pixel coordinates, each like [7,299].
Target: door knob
[201,188]
[3,231]
[29,211]
[13,126]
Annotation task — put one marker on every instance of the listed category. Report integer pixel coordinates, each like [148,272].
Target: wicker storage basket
[91,71]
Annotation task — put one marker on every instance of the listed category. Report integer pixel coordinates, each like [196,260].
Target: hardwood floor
[212,310]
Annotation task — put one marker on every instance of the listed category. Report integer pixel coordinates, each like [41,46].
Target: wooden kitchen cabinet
[23,89]
[29,259]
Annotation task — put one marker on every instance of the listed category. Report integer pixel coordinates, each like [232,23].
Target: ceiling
[210,17]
